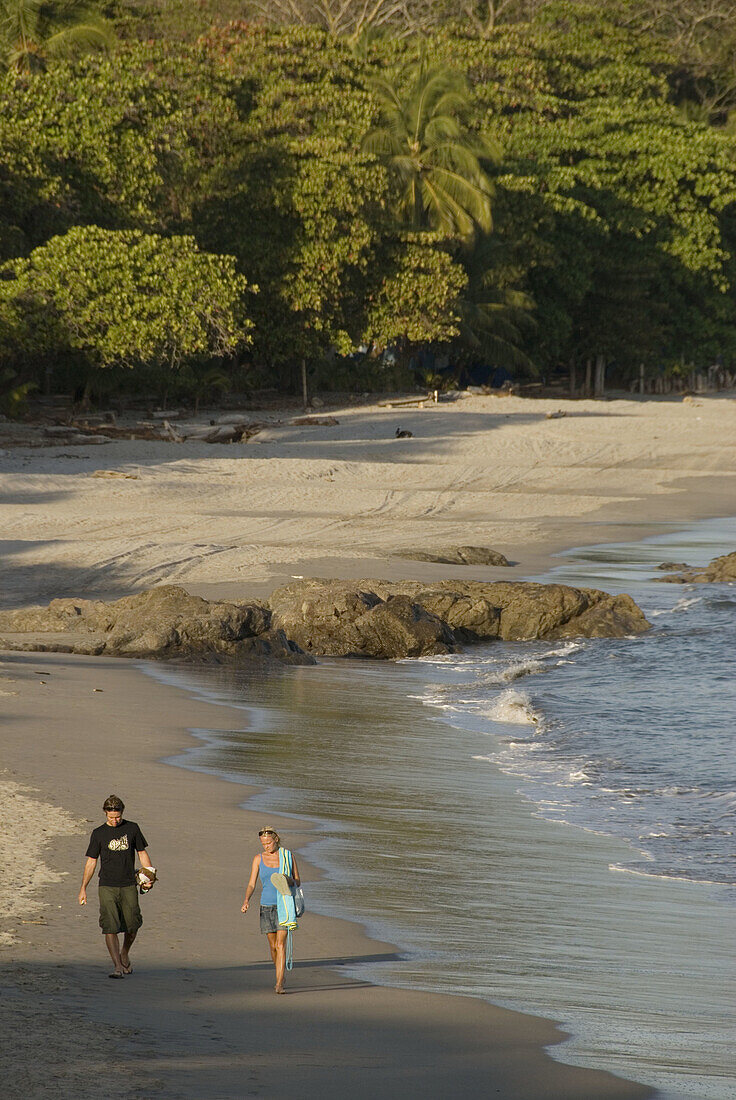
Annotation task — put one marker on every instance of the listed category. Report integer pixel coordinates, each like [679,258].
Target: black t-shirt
[116,848]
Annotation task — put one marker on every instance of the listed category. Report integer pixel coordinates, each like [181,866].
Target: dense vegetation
[532,186]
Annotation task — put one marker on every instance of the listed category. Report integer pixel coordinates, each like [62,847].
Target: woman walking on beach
[278,872]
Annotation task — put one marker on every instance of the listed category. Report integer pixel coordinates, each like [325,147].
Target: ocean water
[548,826]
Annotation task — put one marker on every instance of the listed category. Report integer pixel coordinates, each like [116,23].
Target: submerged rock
[720,570]
[457,555]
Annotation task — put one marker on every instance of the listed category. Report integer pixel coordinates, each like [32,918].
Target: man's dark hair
[113,803]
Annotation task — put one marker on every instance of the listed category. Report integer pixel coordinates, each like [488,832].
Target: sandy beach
[198,1017]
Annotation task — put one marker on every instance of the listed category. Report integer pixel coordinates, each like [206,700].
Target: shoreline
[197,1006]
[193,516]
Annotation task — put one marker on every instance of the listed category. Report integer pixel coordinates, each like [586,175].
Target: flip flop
[281,884]
[116,974]
[127,969]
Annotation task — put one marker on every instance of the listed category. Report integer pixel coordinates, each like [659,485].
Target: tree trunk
[573,376]
[305,393]
[641,378]
[588,377]
[600,375]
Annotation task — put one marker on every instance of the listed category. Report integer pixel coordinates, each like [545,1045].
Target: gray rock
[457,555]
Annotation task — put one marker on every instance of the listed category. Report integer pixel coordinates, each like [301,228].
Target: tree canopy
[528,192]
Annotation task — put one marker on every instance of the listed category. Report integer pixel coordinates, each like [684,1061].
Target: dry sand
[198,1017]
[338,500]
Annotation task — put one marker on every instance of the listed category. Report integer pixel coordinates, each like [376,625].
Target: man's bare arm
[89,870]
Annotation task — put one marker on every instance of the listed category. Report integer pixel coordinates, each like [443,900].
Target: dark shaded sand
[198,1017]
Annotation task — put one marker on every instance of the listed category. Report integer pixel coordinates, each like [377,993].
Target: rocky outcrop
[457,555]
[329,618]
[720,570]
[162,622]
[348,619]
[523,610]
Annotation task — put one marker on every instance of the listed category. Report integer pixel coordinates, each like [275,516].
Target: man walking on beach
[115,844]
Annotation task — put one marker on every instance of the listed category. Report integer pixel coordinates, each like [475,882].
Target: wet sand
[198,1017]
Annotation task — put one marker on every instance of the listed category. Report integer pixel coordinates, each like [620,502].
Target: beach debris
[96,689]
[399,402]
[172,433]
[317,421]
[403,433]
[556,415]
[114,474]
[223,431]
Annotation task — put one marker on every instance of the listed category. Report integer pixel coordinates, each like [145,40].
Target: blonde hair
[271,832]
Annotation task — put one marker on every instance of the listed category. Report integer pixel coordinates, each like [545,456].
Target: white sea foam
[623,869]
[681,605]
[514,707]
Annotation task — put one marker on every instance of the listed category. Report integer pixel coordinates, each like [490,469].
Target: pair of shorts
[119,909]
[270,919]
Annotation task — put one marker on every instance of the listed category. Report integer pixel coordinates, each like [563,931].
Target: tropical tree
[33,30]
[434,158]
[122,299]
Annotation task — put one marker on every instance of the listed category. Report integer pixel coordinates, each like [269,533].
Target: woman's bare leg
[280,960]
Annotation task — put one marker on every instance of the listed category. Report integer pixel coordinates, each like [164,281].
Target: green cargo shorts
[119,909]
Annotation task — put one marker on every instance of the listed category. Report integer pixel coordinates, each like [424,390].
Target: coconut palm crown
[33,30]
[436,161]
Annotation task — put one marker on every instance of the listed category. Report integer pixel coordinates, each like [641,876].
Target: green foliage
[32,32]
[14,394]
[122,299]
[417,300]
[436,161]
[296,154]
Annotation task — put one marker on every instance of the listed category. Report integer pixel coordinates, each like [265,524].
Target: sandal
[281,884]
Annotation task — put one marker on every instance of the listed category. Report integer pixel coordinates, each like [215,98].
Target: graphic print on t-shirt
[115,846]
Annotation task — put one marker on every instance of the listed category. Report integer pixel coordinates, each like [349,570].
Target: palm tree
[496,316]
[33,30]
[438,163]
